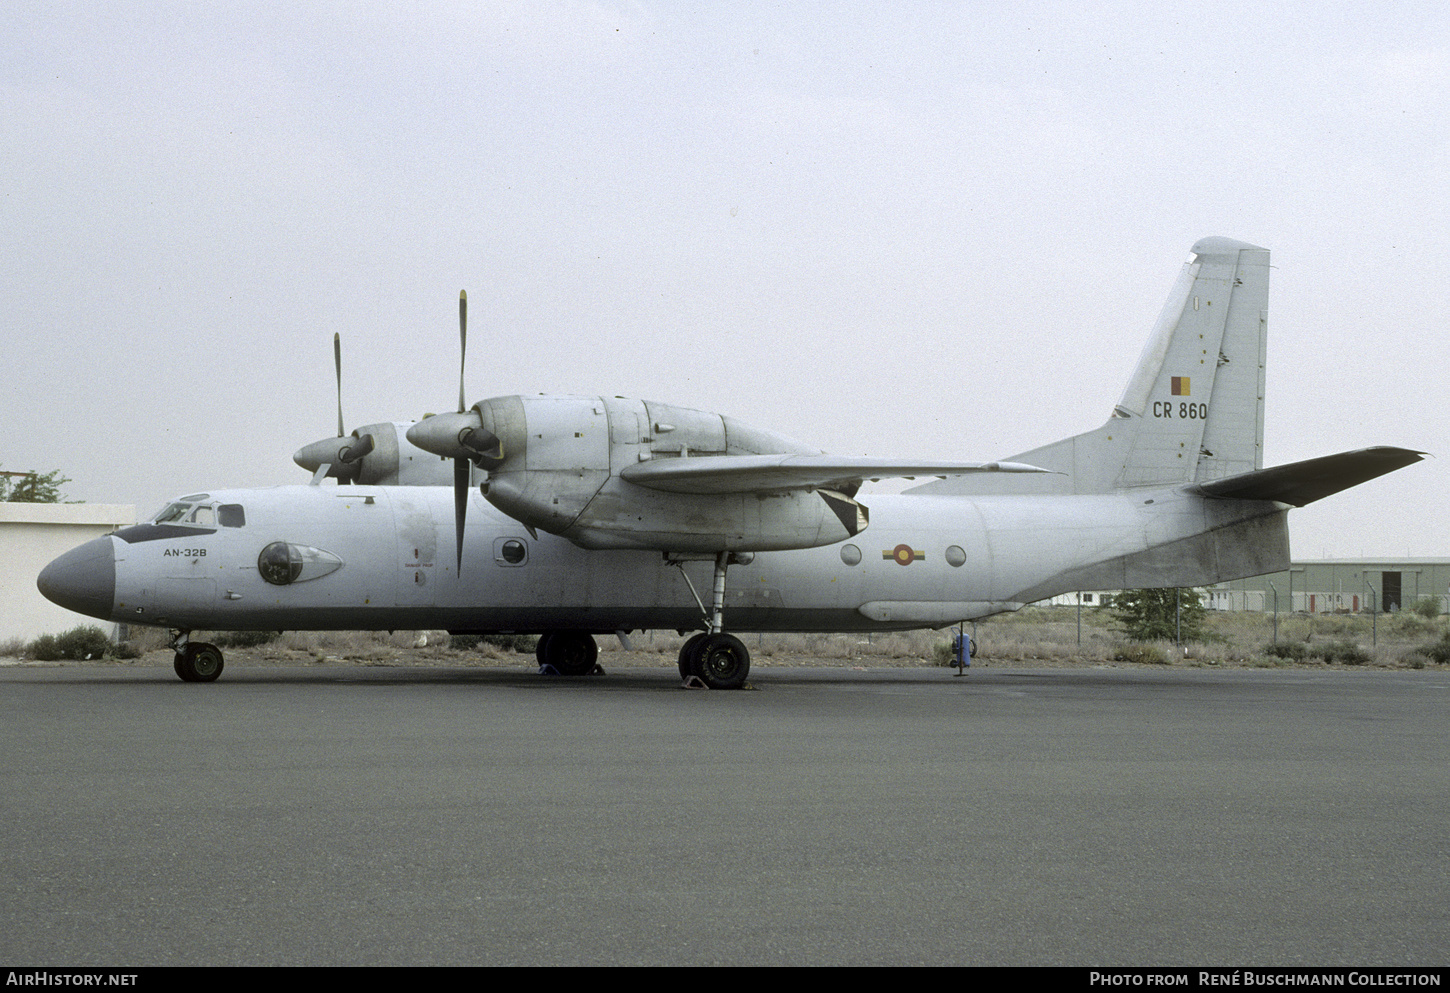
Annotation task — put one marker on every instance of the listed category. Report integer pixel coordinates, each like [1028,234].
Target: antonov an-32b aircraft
[576,516]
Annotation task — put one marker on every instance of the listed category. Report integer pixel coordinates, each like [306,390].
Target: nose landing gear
[196,661]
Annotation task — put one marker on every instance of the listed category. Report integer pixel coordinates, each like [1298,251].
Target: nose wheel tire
[198,663]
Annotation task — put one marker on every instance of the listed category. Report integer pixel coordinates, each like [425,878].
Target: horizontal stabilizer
[1302,483]
[764,473]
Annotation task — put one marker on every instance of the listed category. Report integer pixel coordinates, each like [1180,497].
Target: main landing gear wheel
[198,663]
[570,653]
[720,661]
[689,646]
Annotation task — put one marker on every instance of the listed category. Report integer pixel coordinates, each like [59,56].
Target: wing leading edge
[1301,483]
[764,473]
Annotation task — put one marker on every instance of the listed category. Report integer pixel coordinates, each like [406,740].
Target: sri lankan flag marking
[903,554]
[1180,386]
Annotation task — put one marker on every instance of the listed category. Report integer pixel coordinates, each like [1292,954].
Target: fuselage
[369,557]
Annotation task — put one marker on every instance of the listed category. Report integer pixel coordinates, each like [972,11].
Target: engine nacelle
[376,455]
[561,457]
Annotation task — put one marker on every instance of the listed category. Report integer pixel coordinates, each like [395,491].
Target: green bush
[1438,651]
[1142,654]
[241,639]
[85,642]
[1427,607]
[522,644]
[1294,651]
[1345,653]
[44,649]
[1160,614]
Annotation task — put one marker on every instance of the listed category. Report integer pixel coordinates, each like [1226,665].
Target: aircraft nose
[83,579]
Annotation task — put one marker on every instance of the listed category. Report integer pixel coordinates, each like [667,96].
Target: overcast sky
[931,230]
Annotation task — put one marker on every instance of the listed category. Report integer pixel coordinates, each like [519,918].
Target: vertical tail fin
[1194,408]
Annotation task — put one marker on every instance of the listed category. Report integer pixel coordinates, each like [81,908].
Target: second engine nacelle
[554,463]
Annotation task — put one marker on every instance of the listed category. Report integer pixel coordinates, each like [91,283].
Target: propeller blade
[462,344]
[460,503]
[337,360]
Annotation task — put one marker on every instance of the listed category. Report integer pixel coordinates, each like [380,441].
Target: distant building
[1328,586]
[31,535]
[1323,586]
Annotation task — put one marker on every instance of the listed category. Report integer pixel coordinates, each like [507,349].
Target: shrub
[1345,653]
[243,639]
[1438,651]
[85,642]
[522,644]
[1427,607]
[1415,660]
[1294,651]
[1142,654]
[44,649]
[1160,615]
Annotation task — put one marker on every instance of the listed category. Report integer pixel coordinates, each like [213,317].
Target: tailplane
[1193,410]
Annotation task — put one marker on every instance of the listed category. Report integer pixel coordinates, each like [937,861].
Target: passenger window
[510,551]
[231,515]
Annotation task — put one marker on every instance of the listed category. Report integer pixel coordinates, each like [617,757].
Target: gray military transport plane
[576,516]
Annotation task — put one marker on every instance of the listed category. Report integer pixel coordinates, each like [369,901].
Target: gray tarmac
[341,815]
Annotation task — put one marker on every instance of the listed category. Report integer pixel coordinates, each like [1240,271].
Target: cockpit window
[231,515]
[186,510]
[172,513]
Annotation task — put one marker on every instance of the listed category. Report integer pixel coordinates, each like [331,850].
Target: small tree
[1160,615]
[31,487]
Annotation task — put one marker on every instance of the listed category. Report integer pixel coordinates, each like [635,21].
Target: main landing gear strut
[718,660]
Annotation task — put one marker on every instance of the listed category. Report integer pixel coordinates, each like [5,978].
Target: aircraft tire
[199,663]
[721,661]
[541,650]
[686,649]
[571,653]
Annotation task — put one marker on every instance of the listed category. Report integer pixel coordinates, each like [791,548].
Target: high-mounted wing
[767,473]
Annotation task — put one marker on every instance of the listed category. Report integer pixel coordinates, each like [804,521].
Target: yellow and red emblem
[903,554]
[1180,386]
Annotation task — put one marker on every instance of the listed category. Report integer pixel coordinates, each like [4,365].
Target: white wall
[31,535]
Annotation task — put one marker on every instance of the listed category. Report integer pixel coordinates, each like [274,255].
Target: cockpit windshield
[184,510]
[199,510]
